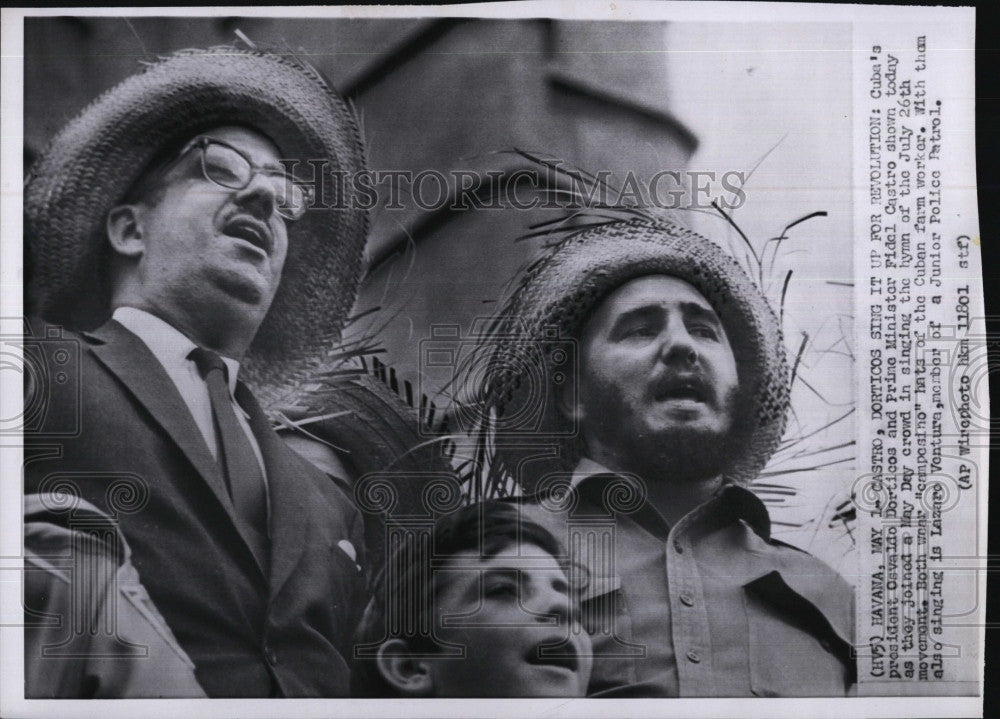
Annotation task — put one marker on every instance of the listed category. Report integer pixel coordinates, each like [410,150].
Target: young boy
[480,605]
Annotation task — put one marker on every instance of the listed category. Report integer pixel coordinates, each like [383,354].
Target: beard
[685,451]
[684,454]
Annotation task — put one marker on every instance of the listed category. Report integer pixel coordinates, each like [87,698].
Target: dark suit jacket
[252,627]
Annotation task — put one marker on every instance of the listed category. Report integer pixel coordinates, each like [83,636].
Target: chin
[247,287]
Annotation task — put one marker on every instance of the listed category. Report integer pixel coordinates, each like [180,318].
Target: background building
[435,96]
[447,96]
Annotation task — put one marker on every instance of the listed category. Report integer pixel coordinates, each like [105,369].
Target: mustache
[685,385]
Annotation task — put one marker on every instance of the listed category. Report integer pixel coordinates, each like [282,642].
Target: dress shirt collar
[736,501]
[166,342]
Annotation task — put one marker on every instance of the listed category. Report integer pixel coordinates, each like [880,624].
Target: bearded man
[675,402]
[167,226]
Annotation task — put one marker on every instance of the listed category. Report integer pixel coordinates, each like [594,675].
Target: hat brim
[378,439]
[560,292]
[93,162]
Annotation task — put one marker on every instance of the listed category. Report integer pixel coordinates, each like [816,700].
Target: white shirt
[172,347]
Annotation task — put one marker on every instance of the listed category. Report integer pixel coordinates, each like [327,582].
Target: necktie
[237,460]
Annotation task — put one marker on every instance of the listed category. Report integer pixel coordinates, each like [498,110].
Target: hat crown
[90,165]
[560,290]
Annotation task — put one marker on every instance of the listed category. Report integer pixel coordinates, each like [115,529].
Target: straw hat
[557,294]
[91,164]
[390,451]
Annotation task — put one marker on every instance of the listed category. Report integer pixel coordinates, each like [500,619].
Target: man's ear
[125,231]
[569,403]
[408,675]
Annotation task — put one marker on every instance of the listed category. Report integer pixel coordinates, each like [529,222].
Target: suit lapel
[287,484]
[130,360]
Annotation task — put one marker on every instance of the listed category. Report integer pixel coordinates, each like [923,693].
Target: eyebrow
[474,590]
[698,311]
[690,310]
[561,583]
[277,166]
[516,573]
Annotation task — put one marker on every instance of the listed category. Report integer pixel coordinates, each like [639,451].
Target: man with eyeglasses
[167,235]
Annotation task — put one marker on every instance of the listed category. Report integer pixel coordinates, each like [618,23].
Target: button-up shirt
[171,348]
[712,606]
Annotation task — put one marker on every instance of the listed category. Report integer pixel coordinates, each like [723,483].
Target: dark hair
[148,186]
[404,591]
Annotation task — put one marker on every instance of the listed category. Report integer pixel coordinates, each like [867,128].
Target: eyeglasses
[226,166]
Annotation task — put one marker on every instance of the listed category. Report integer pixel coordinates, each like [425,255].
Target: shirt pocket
[605,616]
[794,649]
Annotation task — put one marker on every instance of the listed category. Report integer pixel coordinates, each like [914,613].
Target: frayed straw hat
[387,447]
[554,298]
[92,163]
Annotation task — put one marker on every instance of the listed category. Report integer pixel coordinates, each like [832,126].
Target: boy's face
[518,622]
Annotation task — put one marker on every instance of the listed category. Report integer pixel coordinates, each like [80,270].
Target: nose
[678,346]
[549,602]
[258,197]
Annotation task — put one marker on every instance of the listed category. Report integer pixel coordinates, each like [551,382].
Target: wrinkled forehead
[649,291]
[512,555]
[468,565]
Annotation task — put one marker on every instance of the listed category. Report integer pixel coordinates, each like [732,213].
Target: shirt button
[693,656]
[678,547]
[687,600]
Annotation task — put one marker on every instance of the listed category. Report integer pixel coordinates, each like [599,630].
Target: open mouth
[546,654]
[250,230]
[678,388]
